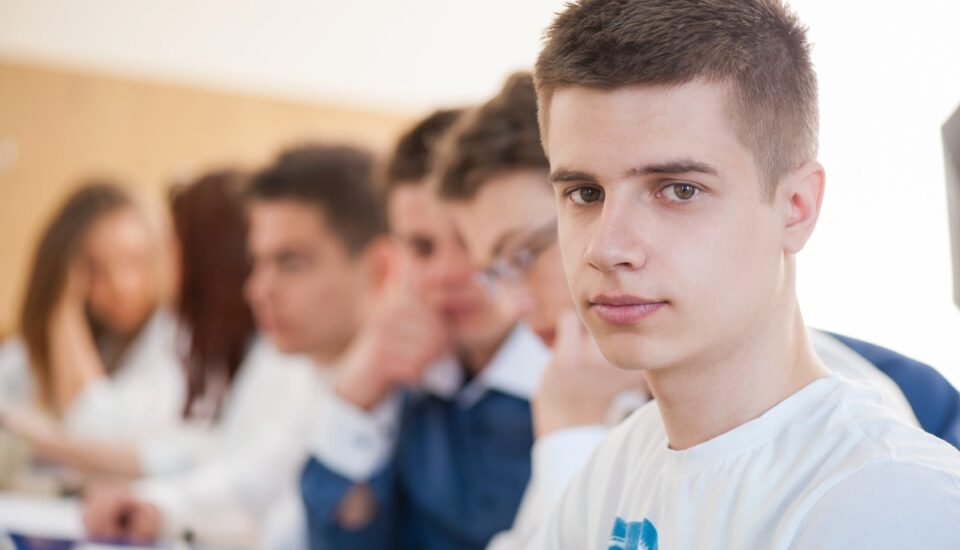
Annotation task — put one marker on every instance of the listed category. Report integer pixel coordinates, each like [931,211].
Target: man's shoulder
[861,431]
[892,503]
[860,408]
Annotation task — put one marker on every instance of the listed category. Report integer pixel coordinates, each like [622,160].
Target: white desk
[41,516]
[47,517]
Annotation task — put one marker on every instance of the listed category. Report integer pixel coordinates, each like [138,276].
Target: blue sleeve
[935,402]
[322,490]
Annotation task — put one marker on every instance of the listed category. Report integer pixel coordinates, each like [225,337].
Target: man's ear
[379,256]
[801,194]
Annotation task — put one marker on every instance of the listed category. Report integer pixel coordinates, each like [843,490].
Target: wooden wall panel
[68,124]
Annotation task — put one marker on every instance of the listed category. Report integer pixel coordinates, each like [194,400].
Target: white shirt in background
[830,467]
[145,393]
[260,447]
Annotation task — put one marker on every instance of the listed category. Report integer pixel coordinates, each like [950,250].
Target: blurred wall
[58,126]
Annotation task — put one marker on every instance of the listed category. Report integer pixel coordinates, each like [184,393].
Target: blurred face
[509,230]
[441,270]
[119,252]
[306,288]
[672,251]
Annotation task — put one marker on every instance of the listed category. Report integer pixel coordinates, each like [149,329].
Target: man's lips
[461,309]
[623,309]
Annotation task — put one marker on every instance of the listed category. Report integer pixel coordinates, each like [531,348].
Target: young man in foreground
[682,144]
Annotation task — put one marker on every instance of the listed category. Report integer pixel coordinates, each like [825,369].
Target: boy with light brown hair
[682,138]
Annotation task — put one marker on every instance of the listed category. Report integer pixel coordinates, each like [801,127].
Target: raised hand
[402,336]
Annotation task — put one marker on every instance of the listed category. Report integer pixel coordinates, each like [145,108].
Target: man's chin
[629,351]
[283,343]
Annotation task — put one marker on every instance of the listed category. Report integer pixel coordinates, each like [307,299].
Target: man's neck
[709,397]
[330,356]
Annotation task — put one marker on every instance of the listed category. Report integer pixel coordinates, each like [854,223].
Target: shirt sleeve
[145,394]
[204,503]
[256,460]
[176,450]
[564,528]
[222,500]
[886,506]
[16,387]
[351,442]
[556,459]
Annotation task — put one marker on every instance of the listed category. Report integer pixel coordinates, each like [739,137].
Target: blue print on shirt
[636,535]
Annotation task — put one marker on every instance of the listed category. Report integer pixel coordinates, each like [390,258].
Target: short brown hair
[758,46]
[336,179]
[499,136]
[413,156]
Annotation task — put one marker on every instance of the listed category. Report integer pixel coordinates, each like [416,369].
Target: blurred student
[230,372]
[494,174]
[417,450]
[318,250]
[95,352]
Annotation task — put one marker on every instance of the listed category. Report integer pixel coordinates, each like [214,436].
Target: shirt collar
[515,370]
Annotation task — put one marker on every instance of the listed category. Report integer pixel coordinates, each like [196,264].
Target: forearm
[92,456]
[74,361]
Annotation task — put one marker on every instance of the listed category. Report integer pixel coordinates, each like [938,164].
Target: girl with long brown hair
[95,352]
[231,377]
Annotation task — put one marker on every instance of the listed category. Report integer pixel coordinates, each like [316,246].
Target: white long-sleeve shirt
[144,394]
[260,446]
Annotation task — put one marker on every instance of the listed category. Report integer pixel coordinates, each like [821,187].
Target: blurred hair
[209,219]
[338,180]
[499,136]
[413,155]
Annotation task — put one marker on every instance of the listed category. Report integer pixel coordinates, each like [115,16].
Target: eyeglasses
[510,267]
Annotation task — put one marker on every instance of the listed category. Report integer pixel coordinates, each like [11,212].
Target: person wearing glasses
[507,216]
[425,440]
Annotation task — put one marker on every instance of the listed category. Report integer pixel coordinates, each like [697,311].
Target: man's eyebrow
[562,175]
[682,166]
[293,251]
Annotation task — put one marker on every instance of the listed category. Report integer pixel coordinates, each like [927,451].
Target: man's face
[305,288]
[511,218]
[672,252]
[440,269]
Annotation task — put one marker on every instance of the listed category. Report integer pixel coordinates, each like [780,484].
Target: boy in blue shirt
[425,440]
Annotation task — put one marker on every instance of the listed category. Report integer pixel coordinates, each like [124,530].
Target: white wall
[879,264]
[878,267]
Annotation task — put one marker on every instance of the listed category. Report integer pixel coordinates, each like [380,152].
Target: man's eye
[680,192]
[291,264]
[586,195]
[421,248]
